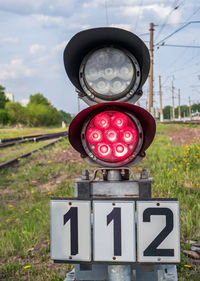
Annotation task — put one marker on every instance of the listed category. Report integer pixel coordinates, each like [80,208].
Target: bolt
[144,174]
[85,175]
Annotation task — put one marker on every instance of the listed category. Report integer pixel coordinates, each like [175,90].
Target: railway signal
[113,227]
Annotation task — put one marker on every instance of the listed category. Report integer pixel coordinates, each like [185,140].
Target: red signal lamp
[112,134]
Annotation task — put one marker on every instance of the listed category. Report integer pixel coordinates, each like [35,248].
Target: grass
[26,190]
[20,132]
[13,151]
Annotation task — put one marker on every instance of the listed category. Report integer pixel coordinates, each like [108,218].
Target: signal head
[107,64]
[112,134]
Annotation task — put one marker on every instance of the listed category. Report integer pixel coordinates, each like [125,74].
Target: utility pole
[190,109]
[150,105]
[78,101]
[179,105]
[173,112]
[160,91]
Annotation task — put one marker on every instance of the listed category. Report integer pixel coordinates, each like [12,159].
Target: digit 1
[72,215]
[115,216]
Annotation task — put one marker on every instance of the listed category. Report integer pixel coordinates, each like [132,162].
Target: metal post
[119,273]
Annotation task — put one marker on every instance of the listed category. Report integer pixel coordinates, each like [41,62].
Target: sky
[34,34]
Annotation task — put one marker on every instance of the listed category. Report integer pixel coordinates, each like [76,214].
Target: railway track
[58,136]
[34,138]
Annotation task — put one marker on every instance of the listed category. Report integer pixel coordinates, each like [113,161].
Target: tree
[38,99]
[3,116]
[167,112]
[16,113]
[43,115]
[66,117]
[3,99]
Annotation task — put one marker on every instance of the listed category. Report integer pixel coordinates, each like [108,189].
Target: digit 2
[115,216]
[152,250]
[72,215]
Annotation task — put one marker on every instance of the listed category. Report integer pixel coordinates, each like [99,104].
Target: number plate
[114,231]
[158,231]
[70,230]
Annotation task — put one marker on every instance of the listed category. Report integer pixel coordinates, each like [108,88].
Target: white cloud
[36,48]
[9,40]
[15,69]
[48,21]
[159,11]
[61,46]
[123,26]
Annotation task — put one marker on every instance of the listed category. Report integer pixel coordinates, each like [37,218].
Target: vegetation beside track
[27,131]
[26,189]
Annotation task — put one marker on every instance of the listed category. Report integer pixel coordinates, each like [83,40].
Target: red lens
[129,135]
[103,150]
[119,120]
[112,136]
[94,135]
[121,151]
[102,121]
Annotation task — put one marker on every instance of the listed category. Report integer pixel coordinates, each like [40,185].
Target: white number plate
[158,231]
[70,230]
[114,231]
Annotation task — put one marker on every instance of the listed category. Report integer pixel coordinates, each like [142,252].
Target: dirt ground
[183,136]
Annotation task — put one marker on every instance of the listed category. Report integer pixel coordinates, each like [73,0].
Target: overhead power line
[177,30]
[179,46]
[174,8]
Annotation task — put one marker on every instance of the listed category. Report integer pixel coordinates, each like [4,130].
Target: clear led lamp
[109,74]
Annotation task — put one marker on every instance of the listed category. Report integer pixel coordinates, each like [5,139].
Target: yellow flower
[8,220]
[49,162]
[10,206]
[188,163]
[49,192]
[27,212]
[27,266]
[195,156]
[14,217]
[175,169]
[187,265]
[19,159]
[32,191]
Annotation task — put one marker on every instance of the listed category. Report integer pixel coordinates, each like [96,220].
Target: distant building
[24,102]
[10,97]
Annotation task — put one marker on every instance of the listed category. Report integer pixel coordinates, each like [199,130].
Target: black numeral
[115,216]
[72,215]
[152,250]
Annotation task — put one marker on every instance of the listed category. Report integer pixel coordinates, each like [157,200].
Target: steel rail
[19,157]
[35,138]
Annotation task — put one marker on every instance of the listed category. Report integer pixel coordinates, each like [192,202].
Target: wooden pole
[173,112]
[179,105]
[150,105]
[161,108]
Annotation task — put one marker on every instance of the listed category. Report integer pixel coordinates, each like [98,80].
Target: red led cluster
[112,136]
